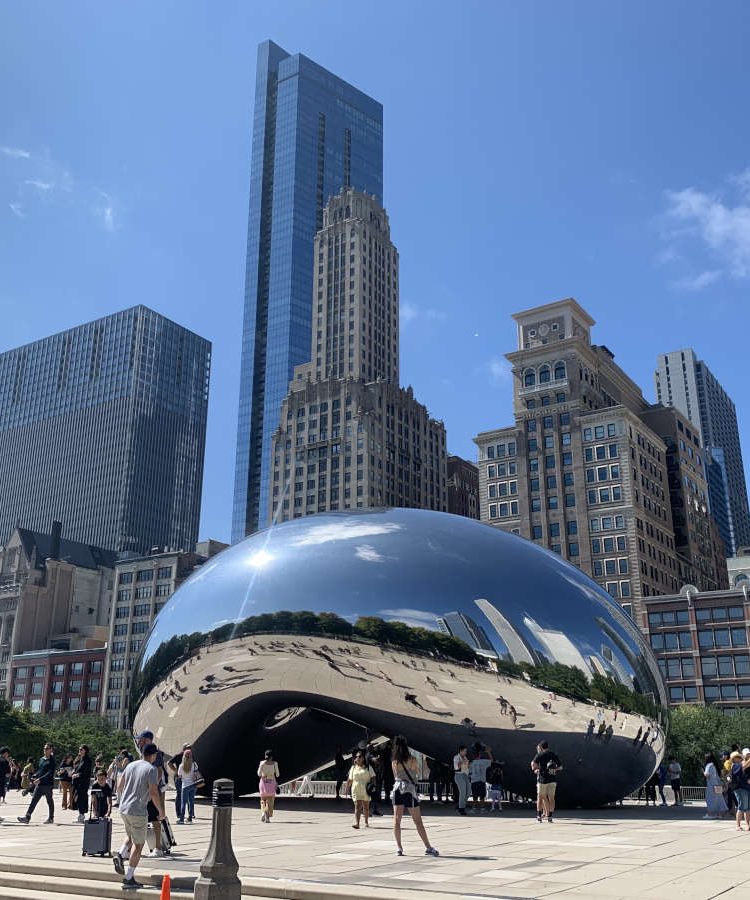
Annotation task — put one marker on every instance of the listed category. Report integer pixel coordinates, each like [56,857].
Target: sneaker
[399,852]
[156,853]
[180,821]
[80,819]
[24,819]
[131,883]
[549,819]
[190,820]
[48,822]
[118,863]
[461,812]
[431,851]
[539,818]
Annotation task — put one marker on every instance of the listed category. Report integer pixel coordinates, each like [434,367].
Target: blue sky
[533,151]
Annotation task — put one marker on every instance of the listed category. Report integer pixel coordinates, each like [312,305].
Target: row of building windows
[600,452]
[56,704]
[77,668]
[545,374]
[546,400]
[503,510]
[708,639]
[57,687]
[600,431]
[549,442]
[145,575]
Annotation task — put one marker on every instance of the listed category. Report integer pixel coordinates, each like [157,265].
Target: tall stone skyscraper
[587,467]
[312,134]
[685,382]
[349,437]
[103,428]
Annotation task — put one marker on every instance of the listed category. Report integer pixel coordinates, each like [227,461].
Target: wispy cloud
[716,224]
[696,282]
[44,182]
[499,371]
[15,152]
[410,312]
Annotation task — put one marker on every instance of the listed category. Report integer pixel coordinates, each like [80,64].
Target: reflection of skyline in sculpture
[558,646]
[461,626]
[333,615]
[516,646]
[644,674]
[616,670]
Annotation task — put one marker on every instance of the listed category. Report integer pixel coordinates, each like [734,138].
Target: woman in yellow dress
[360,775]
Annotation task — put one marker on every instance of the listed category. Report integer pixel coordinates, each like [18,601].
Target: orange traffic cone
[166,888]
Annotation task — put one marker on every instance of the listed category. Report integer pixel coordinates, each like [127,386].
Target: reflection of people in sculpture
[513,715]
[590,730]
[503,705]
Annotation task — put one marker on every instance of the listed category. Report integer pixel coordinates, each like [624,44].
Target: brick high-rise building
[463,487]
[580,471]
[349,436]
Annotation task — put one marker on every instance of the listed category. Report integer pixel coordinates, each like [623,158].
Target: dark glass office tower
[312,134]
[103,428]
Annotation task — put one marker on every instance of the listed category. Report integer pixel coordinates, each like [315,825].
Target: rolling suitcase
[97,837]
[167,837]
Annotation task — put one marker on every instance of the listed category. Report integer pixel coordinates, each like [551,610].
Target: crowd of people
[136,786]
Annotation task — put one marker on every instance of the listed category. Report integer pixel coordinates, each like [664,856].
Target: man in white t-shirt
[674,770]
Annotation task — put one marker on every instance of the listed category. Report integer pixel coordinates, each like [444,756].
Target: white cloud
[42,186]
[15,152]
[368,553]
[17,210]
[696,282]
[104,210]
[409,312]
[720,226]
[499,371]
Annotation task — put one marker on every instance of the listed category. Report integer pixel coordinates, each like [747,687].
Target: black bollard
[218,879]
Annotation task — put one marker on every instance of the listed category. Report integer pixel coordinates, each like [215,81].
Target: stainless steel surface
[334,628]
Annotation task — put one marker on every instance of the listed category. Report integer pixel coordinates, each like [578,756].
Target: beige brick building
[349,436]
[580,471]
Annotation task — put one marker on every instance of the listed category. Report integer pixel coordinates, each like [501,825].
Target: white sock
[130,872]
[124,851]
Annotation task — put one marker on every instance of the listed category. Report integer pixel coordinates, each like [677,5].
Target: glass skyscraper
[684,381]
[103,428]
[312,134]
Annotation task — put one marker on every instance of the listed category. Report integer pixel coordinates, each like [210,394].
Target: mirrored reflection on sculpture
[347,626]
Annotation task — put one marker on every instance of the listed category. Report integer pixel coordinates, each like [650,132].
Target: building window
[573,549]
[536,532]
[529,378]
[125,578]
[545,374]
[145,575]
[164,572]
[560,372]
[554,529]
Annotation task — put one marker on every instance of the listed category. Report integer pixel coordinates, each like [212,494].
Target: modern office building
[312,134]
[684,381]
[143,586]
[54,594]
[348,436]
[700,640]
[463,627]
[57,681]
[103,427]
[579,471]
[463,487]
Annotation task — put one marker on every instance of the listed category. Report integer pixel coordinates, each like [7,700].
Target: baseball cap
[145,734]
[746,751]
[149,749]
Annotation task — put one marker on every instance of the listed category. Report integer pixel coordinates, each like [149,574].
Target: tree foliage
[697,730]
[25,733]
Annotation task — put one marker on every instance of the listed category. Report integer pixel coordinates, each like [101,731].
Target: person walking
[26,773]
[341,770]
[495,781]
[461,777]
[406,794]
[740,786]
[81,777]
[174,765]
[674,770]
[478,778]
[189,780]
[101,796]
[146,739]
[43,782]
[139,786]
[4,771]
[268,775]
[65,777]
[358,779]
[715,805]
[546,766]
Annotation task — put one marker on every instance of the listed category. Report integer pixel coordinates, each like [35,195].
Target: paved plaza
[310,850]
